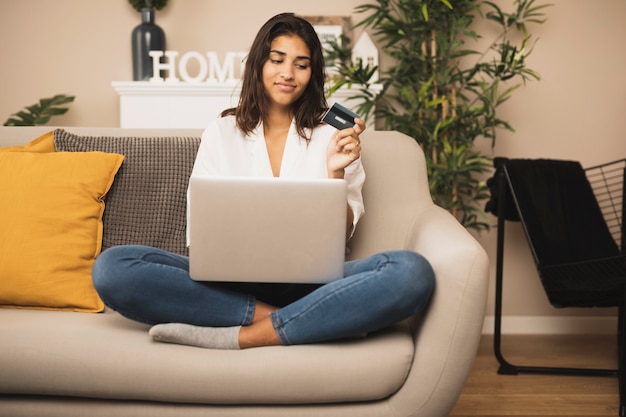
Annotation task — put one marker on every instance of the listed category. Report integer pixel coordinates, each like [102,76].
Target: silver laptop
[250,229]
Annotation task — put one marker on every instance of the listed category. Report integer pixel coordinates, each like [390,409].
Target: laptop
[278,230]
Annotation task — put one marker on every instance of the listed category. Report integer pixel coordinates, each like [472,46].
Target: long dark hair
[254,102]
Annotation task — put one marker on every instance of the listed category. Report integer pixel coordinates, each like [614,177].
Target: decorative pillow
[44,143]
[147,203]
[51,221]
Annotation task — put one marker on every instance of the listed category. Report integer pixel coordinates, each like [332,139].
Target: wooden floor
[488,394]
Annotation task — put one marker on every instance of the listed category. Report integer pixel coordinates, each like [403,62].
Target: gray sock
[206,337]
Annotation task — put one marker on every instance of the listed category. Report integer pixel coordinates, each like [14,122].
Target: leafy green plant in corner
[148,4]
[439,89]
[41,112]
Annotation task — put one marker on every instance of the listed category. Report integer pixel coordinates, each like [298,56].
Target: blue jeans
[153,286]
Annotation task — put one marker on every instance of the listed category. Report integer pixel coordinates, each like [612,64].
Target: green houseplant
[439,89]
[41,112]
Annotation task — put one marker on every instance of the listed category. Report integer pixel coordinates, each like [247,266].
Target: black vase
[145,38]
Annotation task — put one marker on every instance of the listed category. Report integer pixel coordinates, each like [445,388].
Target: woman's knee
[107,269]
[115,268]
[416,278]
[128,266]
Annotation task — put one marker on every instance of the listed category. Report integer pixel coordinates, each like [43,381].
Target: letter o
[182,67]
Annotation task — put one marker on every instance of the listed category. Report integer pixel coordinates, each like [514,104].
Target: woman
[275,130]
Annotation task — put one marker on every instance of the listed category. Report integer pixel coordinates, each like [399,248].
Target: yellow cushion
[44,143]
[51,222]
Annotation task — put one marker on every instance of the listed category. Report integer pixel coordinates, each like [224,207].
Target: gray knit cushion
[147,202]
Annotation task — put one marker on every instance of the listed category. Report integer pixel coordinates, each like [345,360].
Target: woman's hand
[344,148]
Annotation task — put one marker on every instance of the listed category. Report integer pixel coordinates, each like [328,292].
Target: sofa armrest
[448,333]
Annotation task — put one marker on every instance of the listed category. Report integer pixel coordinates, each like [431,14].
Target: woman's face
[287,71]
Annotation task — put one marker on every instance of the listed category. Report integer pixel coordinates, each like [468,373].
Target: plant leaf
[40,113]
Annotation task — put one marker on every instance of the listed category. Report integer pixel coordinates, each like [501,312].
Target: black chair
[572,219]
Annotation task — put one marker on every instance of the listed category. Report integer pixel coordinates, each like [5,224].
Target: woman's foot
[205,337]
[260,333]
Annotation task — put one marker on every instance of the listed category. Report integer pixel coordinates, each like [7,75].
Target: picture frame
[331,28]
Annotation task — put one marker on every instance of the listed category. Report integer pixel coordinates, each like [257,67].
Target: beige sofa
[55,363]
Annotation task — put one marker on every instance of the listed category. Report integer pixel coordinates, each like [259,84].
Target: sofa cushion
[147,203]
[51,221]
[110,357]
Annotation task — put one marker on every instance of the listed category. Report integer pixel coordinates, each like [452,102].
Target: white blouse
[225,151]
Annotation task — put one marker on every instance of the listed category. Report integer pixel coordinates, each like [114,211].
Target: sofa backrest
[395,191]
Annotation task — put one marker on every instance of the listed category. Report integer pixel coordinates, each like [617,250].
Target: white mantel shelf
[148,88]
[146,104]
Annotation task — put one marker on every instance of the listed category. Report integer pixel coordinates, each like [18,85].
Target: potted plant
[146,37]
[40,113]
[440,90]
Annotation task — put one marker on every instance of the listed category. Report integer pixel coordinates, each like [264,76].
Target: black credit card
[340,117]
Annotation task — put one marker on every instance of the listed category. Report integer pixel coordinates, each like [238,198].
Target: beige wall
[79,47]
[576,112]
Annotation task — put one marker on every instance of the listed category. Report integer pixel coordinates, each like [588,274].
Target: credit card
[339,117]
